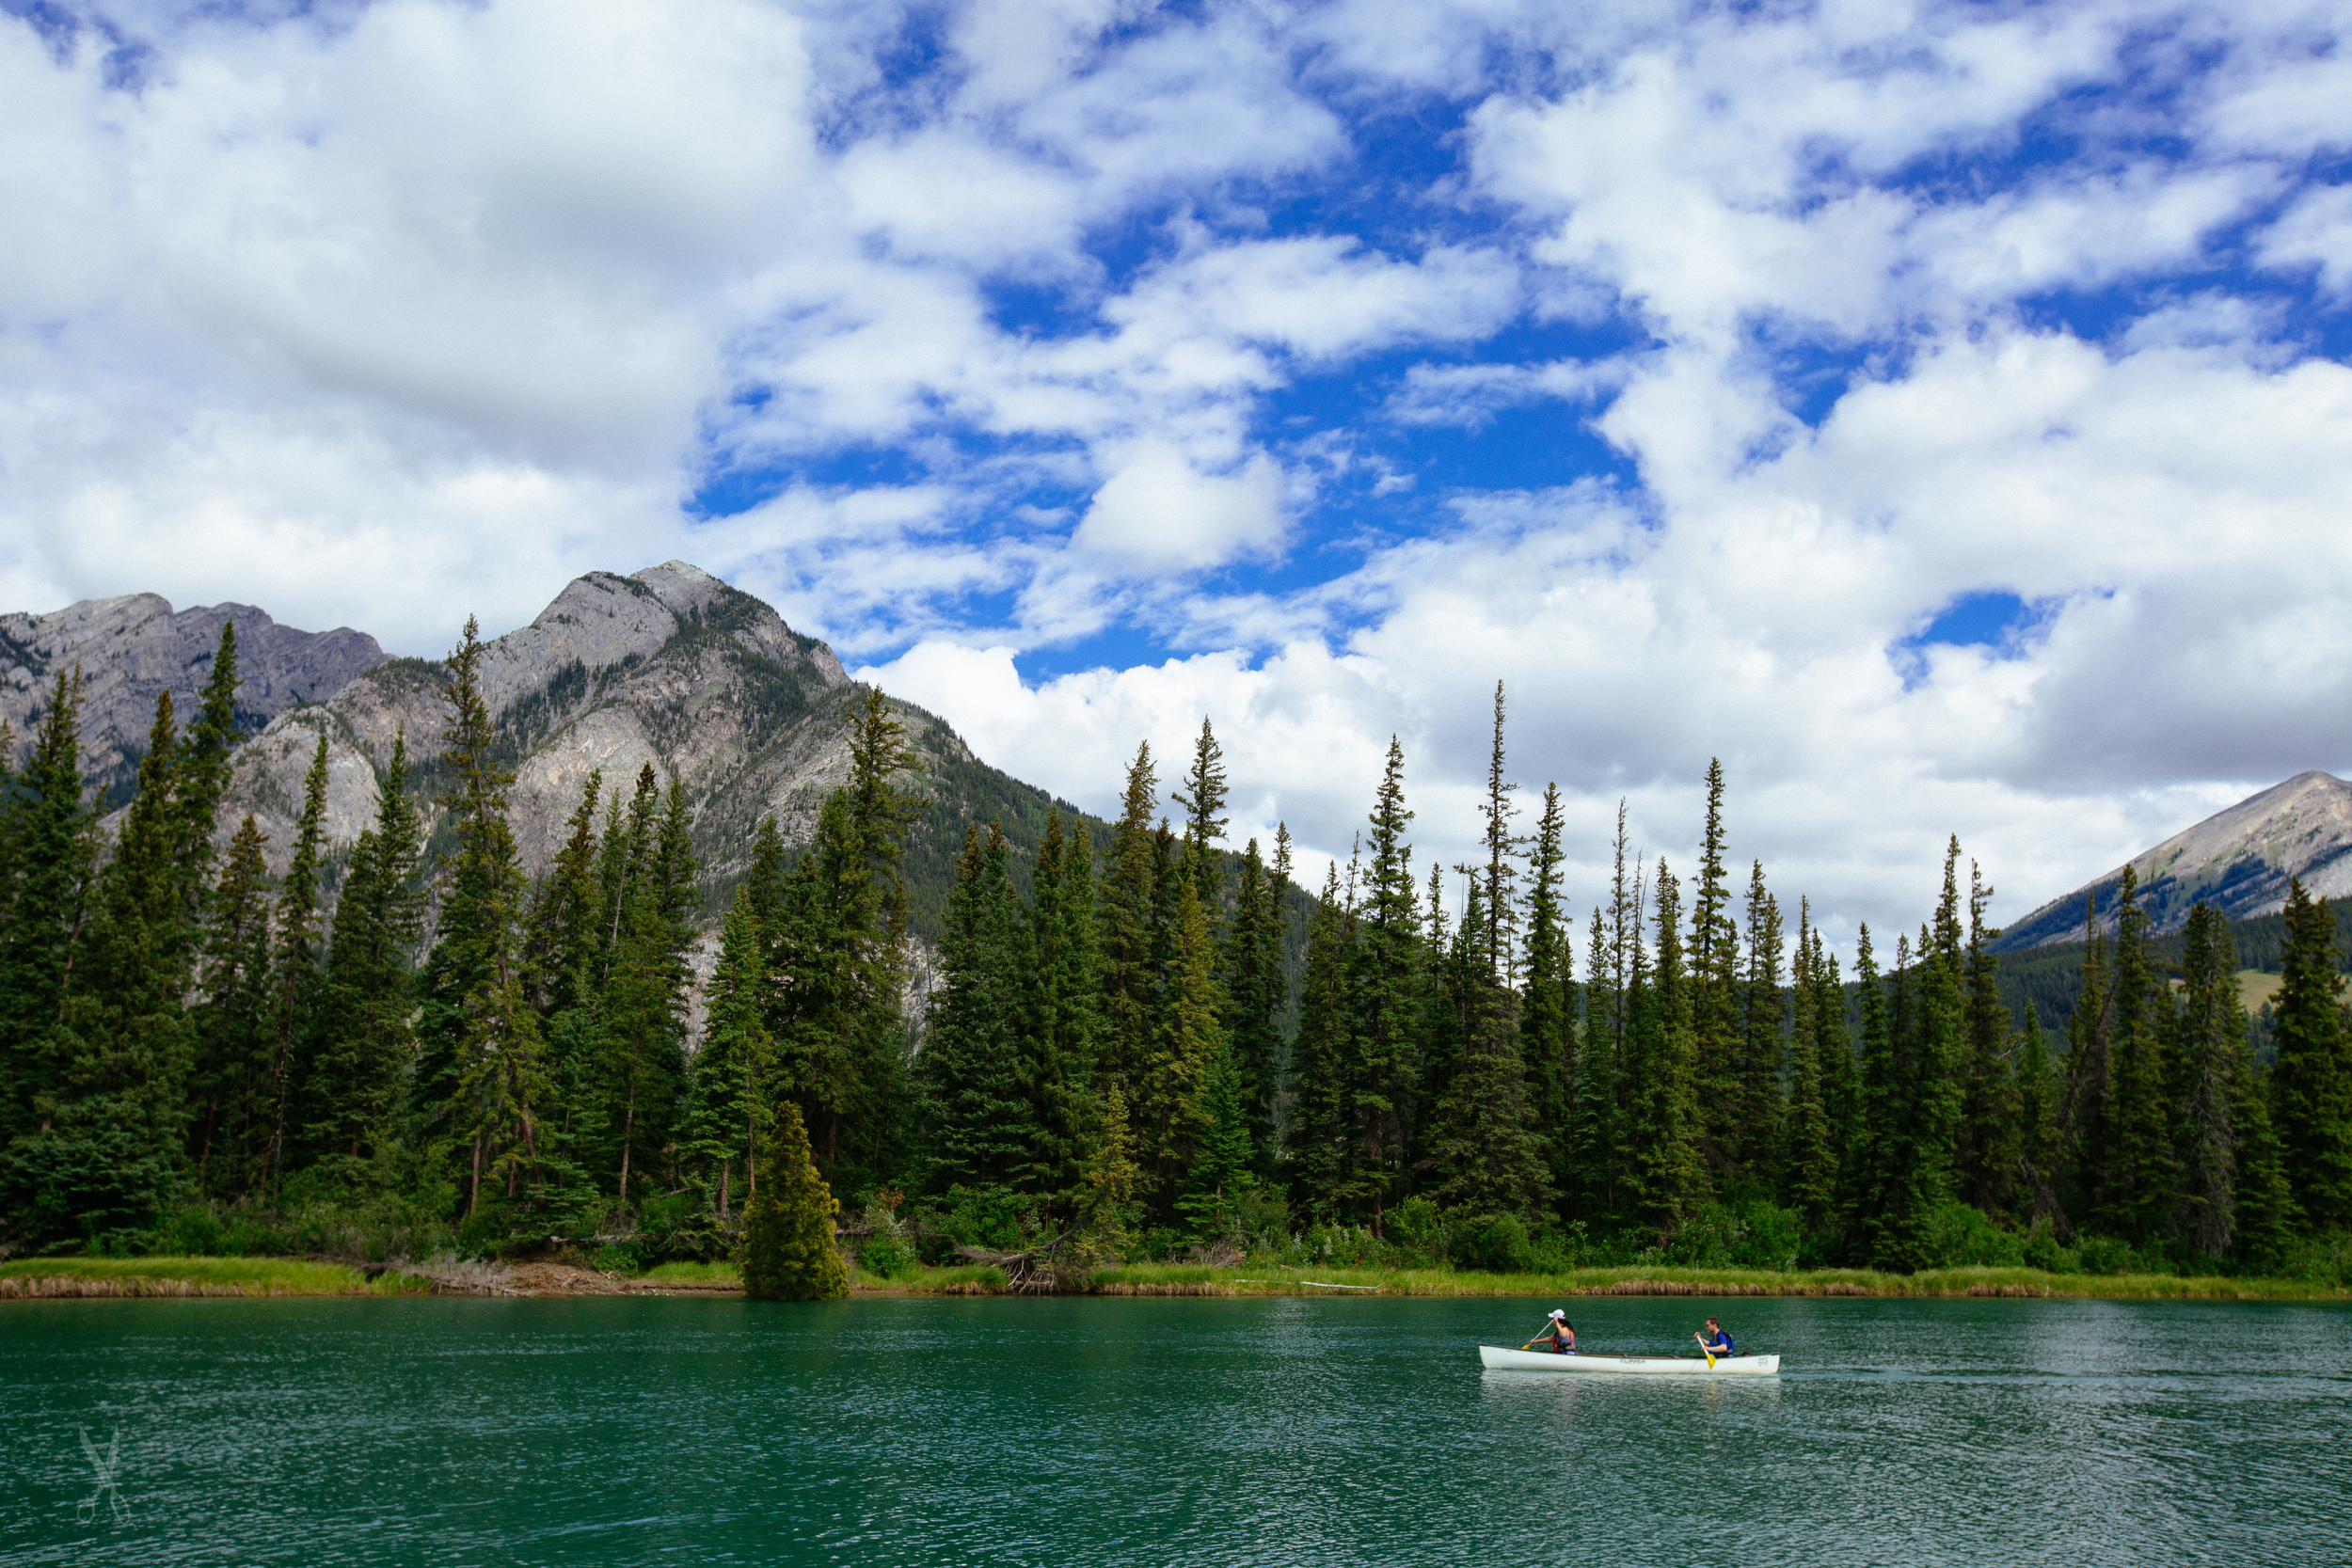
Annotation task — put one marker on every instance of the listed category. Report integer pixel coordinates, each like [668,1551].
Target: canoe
[1499,1359]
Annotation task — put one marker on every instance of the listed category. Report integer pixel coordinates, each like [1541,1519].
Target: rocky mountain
[668,666]
[131,649]
[2240,860]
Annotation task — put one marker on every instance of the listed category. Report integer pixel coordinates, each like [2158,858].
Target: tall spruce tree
[2208,1053]
[2135,1196]
[1131,959]
[978,1130]
[1751,1144]
[1989,1135]
[2310,1084]
[365,1036]
[1709,990]
[729,1102]
[1548,1008]
[236,1037]
[1318,1144]
[106,1153]
[485,1075]
[1665,1090]
[49,833]
[1384,984]
[1257,991]
[2084,1113]
[1065,1009]
[1808,1158]
[1485,1157]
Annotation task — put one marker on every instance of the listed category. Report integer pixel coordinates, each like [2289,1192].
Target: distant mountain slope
[134,647]
[2238,860]
[668,666]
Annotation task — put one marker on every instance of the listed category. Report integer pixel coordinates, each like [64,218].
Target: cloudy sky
[1940,413]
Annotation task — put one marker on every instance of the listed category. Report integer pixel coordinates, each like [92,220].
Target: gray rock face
[2240,860]
[669,667]
[131,649]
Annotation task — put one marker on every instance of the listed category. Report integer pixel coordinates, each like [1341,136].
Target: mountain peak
[2240,860]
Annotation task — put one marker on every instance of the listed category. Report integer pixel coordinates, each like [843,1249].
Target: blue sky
[1938,412]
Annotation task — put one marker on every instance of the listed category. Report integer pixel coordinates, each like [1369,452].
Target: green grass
[695,1274]
[251,1277]
[1657,1279]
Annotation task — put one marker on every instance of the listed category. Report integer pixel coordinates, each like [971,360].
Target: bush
[885,1257]
[1961,1237]
[2043,1251]
[192,1233]
[2105,1254]
[1494,1244]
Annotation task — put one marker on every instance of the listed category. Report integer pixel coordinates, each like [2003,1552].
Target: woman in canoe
[1558,1333]
[1714,1341]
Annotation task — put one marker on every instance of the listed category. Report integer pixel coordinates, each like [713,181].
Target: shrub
[1961,1237]
[2105,1254]
[1496,1243]
[885,1257]
[2041,1250]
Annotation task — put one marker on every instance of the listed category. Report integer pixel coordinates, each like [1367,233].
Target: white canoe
[1499,1359]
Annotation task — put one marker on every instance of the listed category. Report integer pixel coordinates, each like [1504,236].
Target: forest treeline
[195,1056]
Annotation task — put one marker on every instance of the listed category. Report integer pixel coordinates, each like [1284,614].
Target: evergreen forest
[1127,1047]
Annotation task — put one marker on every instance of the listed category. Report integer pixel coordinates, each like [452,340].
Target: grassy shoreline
[52,1278]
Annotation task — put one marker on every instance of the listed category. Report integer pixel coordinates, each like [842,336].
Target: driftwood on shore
[1038,1270]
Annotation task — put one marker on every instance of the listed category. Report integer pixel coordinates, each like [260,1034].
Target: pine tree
[1595,1159]
[49,834]
[1989,1135]
[1752,1139]
[1709,990]
[2208,1052]
[1665,1087]
[2041,1146]
[1484,1156]
[643,1067]
[1065,1023]
[1318,1144]
[366,1038]
[483,1075]
[2084,1113]
[1179,1116]
[977,1124]
[1885,1222]
[1203,796]
[728,1099]
[1809,1152]
[1502,851]
[2135,1196]
[297,965]
[1548,1008]
[106,1153]
[2311,1081]
[1257,990]
[202,778]
[1383,990]
[236,1037]
[788,1250]
[1131,973]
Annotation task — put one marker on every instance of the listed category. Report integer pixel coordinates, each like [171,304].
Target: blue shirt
[1721,1344]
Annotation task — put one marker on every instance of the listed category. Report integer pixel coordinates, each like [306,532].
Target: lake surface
[1276,1430]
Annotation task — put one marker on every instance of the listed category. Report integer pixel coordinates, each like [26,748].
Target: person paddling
[1715,1342]
[1559,1334]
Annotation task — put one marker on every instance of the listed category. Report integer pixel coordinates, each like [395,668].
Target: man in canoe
[1559,1334]
[1715,1342]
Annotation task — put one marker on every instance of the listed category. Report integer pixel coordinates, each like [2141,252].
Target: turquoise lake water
[1276,1430]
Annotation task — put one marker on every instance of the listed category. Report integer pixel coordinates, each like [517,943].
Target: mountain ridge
[2239,860]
